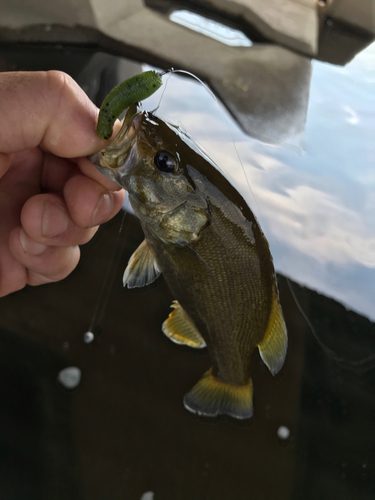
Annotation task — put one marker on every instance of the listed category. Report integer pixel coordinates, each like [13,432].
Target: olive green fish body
[204,239]
[223,284]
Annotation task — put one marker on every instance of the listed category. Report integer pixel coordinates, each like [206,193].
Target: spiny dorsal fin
[181,329]
[211,397]
[142,268]
[274,345]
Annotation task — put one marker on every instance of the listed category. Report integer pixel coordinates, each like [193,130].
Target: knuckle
[55,265]
[87,235]
[64,264]
[61,85]
[58,79]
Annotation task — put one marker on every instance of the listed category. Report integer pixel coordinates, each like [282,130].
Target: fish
[202,236]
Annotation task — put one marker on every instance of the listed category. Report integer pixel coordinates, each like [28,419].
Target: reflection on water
[69,377]
[210,28]
[148,495]
[123,432]
[316,202]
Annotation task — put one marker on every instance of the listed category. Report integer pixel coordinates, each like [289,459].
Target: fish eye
[165,162]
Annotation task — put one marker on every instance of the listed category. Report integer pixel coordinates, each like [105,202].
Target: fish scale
[204,239]
[233,330]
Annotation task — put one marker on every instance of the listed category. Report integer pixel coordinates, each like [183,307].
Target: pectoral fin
[211,397]
[274,345]
[181,329]
[142,268]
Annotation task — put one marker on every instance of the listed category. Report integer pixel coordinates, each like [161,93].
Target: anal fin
[142,268]
[274,345]
[180,328]
[211,397]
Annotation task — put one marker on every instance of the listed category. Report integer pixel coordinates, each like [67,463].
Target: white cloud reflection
[317,208]
[210,28]
[352,116]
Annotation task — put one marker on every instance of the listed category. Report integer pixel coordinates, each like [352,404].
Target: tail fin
[211,397]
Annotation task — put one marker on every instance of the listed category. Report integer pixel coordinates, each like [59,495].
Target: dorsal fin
[274,345]
[142,268]
[180,328]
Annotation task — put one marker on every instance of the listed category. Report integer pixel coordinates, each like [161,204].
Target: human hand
[52,199]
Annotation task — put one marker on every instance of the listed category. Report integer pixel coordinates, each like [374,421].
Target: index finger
[50,110]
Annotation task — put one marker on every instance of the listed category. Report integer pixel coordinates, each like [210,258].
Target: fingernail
[103,209]
[29,246]
[55,220]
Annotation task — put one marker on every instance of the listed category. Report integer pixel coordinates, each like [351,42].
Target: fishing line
[165,72]
[172,70]
[102,301]
[229,130]
[359,366]
[356,365]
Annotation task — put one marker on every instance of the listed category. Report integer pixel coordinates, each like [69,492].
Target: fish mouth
[116,159]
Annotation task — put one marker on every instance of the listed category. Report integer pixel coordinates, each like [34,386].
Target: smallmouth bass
[204,239]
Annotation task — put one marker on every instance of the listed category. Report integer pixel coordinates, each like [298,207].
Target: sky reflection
[316,205]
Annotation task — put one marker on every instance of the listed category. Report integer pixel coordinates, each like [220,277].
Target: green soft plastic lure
[134,89]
